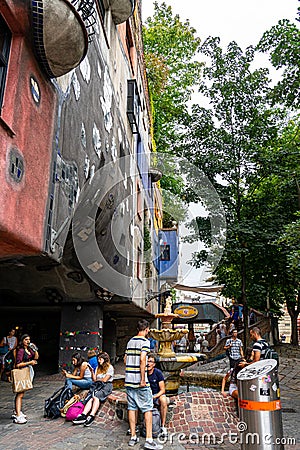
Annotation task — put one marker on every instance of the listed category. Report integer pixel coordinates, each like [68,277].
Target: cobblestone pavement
[44,434]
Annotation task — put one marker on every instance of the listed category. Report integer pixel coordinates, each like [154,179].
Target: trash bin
[260,407]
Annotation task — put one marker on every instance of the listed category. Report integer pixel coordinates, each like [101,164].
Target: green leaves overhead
[170,48]
[282,42]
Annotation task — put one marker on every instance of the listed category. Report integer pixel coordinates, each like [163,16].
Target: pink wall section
[27,127]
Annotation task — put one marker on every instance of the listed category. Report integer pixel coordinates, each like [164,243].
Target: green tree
[282,44]
[170,47]
[227,141]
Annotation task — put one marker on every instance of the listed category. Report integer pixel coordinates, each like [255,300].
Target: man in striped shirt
[139,394]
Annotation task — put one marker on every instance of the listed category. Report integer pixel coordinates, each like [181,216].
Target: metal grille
[86,9]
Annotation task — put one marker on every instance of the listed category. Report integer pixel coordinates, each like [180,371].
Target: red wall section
[23,205]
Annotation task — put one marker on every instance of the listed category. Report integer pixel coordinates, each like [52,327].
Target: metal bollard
[260,407]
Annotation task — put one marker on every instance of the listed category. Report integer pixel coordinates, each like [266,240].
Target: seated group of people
[97,374]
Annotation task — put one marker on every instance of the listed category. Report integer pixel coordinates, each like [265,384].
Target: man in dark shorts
[158,388]
[139,395]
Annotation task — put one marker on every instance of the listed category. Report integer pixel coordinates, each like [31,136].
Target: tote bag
[21,380]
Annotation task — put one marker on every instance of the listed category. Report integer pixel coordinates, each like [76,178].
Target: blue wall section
[168,259]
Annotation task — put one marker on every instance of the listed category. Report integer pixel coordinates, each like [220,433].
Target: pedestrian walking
[234,349]
[7,344]
[139,395]
[260,345]
[223,329]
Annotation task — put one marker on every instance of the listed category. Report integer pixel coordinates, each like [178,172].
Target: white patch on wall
[76,86]
[131,229]
[92,173]
[85,69]
[86,169]
[65,81]
[128,258]
[99,71]
[106,101]
[114,153]
[107,146]
[97,140]
[120,135]
[95,266]
[132,169]
[83,135]
[125,180]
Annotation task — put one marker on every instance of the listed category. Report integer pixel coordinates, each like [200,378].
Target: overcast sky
[238,20]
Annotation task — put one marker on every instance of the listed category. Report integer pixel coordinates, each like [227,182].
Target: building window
[165,252]
[129,45]
[5,41]
[16,165]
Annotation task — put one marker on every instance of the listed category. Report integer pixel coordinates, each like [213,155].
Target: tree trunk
[294,310]
[244,301]
[294,317]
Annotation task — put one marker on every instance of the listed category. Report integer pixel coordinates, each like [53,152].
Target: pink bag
[74,411]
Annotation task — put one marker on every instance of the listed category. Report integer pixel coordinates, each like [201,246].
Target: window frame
[5,46]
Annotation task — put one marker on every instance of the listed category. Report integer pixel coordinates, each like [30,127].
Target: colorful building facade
[78,193]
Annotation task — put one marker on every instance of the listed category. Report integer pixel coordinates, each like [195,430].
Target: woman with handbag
[81,375]
[8,343]
[26,356]
[99,391]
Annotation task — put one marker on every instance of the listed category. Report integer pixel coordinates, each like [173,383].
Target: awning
[198,289]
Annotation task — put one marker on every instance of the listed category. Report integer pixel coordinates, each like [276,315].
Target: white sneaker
[163,431]
[14,415]
[153,445]
[20,419]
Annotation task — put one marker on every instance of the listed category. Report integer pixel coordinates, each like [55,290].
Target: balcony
[61,32]
[121,10]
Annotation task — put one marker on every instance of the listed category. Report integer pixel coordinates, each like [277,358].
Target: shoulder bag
[21,380]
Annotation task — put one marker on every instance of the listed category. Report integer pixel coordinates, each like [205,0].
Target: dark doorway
[43,326]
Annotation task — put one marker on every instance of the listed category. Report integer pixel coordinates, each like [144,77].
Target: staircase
[217,350]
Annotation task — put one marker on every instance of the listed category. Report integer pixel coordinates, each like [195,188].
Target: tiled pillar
[81,330]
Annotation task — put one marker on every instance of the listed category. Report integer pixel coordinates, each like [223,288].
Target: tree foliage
[249,151]
[282,44]
[170,47]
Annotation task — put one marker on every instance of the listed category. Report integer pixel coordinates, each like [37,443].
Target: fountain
[171,363]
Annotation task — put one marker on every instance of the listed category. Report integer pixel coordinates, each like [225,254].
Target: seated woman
[232,374]
[81,375]
[102,387]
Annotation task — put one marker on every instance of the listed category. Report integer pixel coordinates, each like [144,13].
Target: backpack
[68,404]
[156,424]
[9,360]
[56,402]
[270,353]
[74,411]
